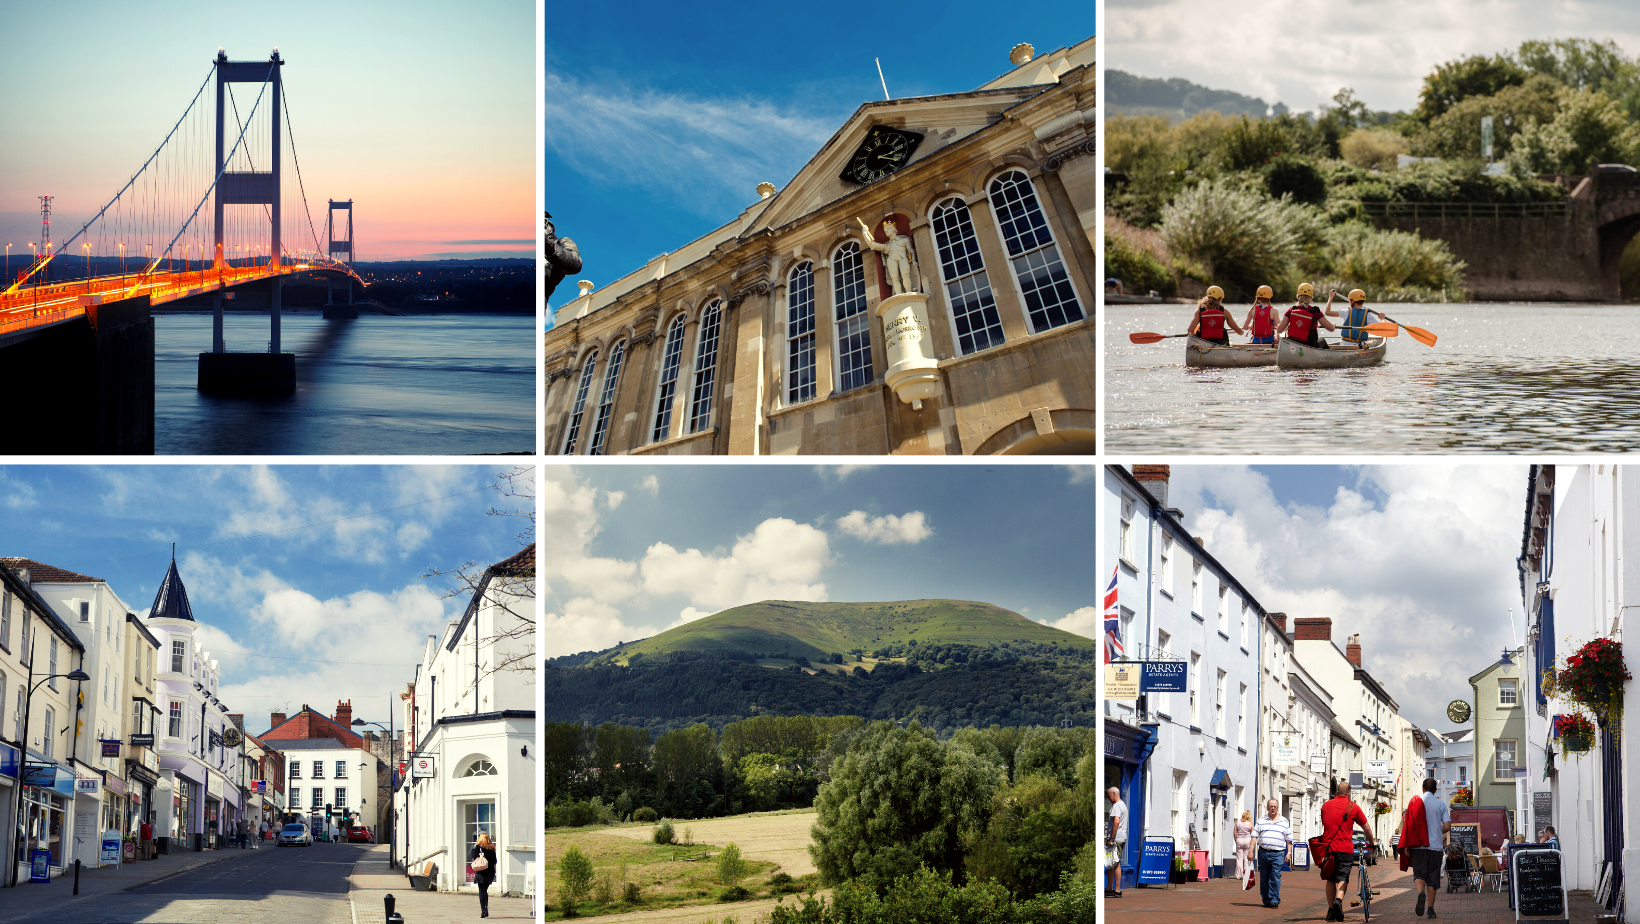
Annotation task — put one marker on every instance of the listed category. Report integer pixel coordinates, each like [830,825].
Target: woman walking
[1244,845]
[482,862]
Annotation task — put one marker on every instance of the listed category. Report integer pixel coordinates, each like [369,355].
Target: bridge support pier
[278,283]
[89,384]
[216,324]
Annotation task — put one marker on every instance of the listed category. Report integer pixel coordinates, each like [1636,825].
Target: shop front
[48,794]
[216,821]
[11,766]
[1126,750]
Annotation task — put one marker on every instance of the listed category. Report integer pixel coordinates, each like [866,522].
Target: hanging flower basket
[1381,808]
[1464,796]
[1576,734]
[1593,678]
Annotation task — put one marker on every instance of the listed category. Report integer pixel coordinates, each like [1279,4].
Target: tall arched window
[580,403]
[700,410]
[800,334]
[967,287]
[671,359]
[606,398]
[1050,300]
[848,295]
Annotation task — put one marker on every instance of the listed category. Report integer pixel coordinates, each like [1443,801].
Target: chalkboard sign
[1509,851]
[1537,884]
[1155,861]
[1467,836]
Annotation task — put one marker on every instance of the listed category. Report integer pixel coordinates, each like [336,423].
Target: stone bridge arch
[1617,221]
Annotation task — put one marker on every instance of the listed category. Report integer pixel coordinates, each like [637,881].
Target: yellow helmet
[1305,288]
[1215,292]
[1265,292]
[1356,295]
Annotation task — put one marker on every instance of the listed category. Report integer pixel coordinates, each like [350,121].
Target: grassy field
[678,882]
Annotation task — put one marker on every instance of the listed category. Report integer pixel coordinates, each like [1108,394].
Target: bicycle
[1365,901]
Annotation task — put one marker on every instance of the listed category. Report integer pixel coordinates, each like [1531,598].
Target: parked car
[295,835]
[359,834]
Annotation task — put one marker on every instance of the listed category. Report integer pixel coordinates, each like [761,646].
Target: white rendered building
[471,716]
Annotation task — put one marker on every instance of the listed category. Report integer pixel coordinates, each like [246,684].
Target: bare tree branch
[513,594]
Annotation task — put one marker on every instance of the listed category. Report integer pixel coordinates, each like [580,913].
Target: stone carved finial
[585,285]
[765,189]
[1022,54]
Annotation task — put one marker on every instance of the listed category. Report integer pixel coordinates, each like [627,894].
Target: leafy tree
[619,755]
[1455,81]
[664,834]
[575,879]
[730,867]
[1295,176]
[683,757]
[1371,148]
[1589,128]
[1045,752]
[560,755]
[1251,143]
[1243,237]
[1456,133]
[1582,64]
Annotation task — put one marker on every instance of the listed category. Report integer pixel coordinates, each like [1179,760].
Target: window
[1508,692]
[1463,773]
[1050,300]
[22,643]
[295,769]
[318,770]
[479,767]
[174,728]
[341,798]
[1241,717]
[1125,530]
[1167,564]
[671,359]
[85,611]
[1124,623]
[3,700]
[1195,586]
[848,299]
[1224,608]
[50,732]
[318,798]
[574,431]
[136,717]
[53,669]
[105,683]
[1218,705]
[5,618]
[341,769]
[477,818]
[800,334]
[179,656]
[17,714]
[1505,764]
[700,409]
[1180,814]
[1244,623]
[606,398]
[967,286]
[1195,689]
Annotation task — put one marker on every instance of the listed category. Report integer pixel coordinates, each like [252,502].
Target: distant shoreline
[363,310]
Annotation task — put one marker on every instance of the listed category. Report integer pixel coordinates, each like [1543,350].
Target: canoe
[1293,355]
[1199,352]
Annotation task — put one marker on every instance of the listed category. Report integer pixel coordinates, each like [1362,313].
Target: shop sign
[142,741]
[1122,682]
[1379,770]
[11,760]
[39,868]
[259,786]
[115,785]
[213,786]
[110,748]
[1163,677]
[1286,751]
[88,787]
[422,767]
[110,848]
[1318,764]
[48,776]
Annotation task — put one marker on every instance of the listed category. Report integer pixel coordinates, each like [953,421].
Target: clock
[1458,711]
[883,151]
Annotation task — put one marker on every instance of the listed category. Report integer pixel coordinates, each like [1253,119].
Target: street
[270,884]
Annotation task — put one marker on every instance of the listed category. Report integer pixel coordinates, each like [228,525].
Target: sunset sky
[421,112]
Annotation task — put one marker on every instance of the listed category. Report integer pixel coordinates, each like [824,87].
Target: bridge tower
[45,233]
[274,370]
[343,247]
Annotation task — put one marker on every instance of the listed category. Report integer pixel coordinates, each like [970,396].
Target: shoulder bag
[1321,852]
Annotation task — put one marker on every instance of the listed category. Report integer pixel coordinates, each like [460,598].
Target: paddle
[1148,337]
[1418,333]
[1383,330]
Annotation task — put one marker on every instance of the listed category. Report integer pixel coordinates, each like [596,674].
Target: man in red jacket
[1337,816]
[1423,835]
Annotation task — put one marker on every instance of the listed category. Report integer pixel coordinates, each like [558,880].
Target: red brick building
[310,723]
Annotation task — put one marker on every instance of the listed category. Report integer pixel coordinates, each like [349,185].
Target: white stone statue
[898,262]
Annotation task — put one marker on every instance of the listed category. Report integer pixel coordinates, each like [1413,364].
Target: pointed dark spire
[172,600]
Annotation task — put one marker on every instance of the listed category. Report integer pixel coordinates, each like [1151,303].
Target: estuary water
[1501,378]
[378,385]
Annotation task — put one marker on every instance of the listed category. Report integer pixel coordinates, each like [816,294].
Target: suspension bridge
[210,211]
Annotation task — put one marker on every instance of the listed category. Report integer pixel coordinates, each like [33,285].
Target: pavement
[1303,898]
[33,897]
[372,879]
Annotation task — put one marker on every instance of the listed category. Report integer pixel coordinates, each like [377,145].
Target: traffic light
[328,812]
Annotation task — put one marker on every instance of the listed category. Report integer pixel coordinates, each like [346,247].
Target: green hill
[778,629]
[1176,98]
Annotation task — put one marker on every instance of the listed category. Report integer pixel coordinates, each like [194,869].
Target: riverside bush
[1373,147]
[575,878]
[1384,262]
[664,833]
[928,897]
[1242,237]
[1139,269]
[1295,176]
[645,814]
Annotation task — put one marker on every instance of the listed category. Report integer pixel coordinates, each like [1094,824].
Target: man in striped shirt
[1274,837]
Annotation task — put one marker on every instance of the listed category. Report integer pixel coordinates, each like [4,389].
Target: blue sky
[346,596]
[630,550]
[661,119]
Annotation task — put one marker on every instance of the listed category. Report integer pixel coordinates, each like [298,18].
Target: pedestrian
[1337,816]
[1244,845]
[1274,835]
[1548,837]
[482,862]
[1115,841]
[147,835]
[1424,833]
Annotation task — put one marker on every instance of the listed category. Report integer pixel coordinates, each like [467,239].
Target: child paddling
[1301,321]
[1211,318]
[1261,318]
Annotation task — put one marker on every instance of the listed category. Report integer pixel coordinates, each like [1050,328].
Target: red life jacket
[1264,321]
[1301,323]
[1212,324]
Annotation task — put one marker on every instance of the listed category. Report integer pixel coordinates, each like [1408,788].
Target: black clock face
[1458,711]
[884,151]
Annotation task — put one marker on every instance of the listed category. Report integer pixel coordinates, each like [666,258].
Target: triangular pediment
[942,121]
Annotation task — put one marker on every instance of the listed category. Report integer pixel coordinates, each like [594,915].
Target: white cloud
[15,492]
[652,485]
[1418,559]
[412,536]
[910,528]
[840,473]
[1081,474]
[613,499]
[1083,622]
[779,560]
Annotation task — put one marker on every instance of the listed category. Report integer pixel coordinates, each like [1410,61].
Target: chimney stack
[344,714]
[1312,629]
[1352,650]
[276,719]
[1154,480]
[1280,619]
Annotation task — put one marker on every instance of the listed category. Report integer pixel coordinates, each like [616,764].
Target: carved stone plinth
[913,371]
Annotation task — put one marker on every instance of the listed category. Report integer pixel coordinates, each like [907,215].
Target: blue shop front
[1127,749]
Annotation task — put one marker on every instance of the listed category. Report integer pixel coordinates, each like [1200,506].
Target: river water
[1501,378]
[420,384]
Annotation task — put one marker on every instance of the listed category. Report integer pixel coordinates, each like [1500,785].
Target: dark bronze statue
[563,257]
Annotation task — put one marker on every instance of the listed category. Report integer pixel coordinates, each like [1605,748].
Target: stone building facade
[767,336]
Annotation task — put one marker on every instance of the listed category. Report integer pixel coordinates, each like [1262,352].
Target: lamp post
[392,815]
[76,675]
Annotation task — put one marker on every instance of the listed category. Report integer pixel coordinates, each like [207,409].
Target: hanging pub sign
[110,748]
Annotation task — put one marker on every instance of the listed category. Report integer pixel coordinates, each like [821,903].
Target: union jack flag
[1113,622]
